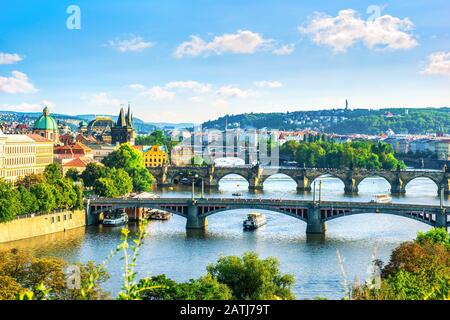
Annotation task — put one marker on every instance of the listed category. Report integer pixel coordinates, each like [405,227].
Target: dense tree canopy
[131,161]
[21,271]
[328,154]
[39,194]
[251,278]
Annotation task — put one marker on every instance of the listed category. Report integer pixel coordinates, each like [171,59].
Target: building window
[53,219]
[59,219]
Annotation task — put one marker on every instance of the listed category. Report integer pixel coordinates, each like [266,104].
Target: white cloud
[438,64]
[268,84]
[133,43]
[136,86]
[194,86]
[284,50]
[234,92]
[102,99]
[9,58]
[241,42]
[158,93]
[196,99]
[347,28]
[220,103]
[18,83]
[28,107]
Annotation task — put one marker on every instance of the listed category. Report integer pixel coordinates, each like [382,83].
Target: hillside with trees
[341,121]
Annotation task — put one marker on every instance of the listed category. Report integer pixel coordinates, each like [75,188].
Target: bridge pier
[398,187]
[441,219]
[303,184]
[315,224]
[193,219]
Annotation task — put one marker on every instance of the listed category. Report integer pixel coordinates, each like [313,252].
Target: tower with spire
[123,131]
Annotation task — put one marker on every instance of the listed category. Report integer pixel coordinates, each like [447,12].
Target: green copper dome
[45,122]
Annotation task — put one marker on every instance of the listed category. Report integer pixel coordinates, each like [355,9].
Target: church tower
[123,131]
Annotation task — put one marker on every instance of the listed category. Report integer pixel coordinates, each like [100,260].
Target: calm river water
[183,255]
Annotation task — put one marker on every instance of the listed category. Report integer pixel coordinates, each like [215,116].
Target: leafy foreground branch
[417,270]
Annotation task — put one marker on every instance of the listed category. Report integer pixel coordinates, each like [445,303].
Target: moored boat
[381,198]
[115,218]
[254,221]
[158,215]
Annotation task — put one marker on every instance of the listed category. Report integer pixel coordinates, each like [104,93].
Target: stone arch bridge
[315,214]
[256,175]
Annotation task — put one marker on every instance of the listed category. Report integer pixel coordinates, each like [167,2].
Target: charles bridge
[256,175]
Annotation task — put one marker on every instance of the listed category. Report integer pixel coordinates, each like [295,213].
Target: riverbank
[40,225]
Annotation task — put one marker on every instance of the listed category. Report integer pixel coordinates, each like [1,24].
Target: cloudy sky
[190,61]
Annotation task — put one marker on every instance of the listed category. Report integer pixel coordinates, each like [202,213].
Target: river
[182,255]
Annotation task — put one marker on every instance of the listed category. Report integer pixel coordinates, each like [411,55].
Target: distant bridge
[315,214]
[256,175]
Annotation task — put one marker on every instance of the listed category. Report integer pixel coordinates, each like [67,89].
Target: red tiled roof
[38,138]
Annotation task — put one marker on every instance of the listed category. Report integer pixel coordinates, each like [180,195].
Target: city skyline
[178,62]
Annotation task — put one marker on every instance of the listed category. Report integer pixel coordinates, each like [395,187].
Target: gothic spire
[129,116]
[121,122]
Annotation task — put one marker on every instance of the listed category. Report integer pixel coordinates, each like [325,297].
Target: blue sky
[190,61]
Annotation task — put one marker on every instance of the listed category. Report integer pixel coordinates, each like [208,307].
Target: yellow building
[155,156]
[44,152]
[17,156]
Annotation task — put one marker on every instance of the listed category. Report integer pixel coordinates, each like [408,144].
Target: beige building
[17,156]
[44,152]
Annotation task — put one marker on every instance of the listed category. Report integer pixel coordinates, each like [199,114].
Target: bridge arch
[291,214]
[117,207]
[327,176]
[364,182]
[432,181]
[426,218]
[220,177]
[275,176]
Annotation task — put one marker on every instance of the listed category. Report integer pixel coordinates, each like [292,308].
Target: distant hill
[341,121]
[73,120]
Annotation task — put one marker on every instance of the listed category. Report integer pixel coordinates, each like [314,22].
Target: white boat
[254,221]
[381,198]
[114,219]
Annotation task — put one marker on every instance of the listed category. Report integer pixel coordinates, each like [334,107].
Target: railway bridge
[315,214]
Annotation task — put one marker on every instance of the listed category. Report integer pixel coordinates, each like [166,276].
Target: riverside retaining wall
[30,227]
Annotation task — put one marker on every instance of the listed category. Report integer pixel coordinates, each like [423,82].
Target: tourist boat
[237,194]
[254,221]
[158,215]
[382,198]
[115,218]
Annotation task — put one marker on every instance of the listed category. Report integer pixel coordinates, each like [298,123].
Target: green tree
[130,160]
[45,196]
[435,236]
[163,288]
[53,172]
[251,278]
[73,174]
[10,205]
[92,173]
